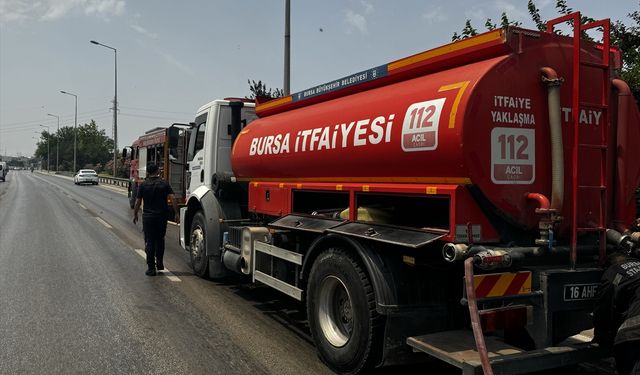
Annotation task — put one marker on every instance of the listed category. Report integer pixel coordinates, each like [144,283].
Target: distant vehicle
[3,170]
[165,147]
[86,176]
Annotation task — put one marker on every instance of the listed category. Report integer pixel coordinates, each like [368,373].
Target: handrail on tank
[575,17]
[575,20]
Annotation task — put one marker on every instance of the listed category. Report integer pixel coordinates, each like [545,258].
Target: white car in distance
[86,176]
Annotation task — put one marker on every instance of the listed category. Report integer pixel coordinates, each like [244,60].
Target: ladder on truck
[577,105]
[458,347]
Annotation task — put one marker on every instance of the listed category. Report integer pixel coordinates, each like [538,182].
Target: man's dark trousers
[627,357]
[155,228]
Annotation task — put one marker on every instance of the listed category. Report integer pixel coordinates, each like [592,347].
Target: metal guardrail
[122,182]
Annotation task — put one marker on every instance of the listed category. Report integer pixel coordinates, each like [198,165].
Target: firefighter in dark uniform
[154,192]
[616,316]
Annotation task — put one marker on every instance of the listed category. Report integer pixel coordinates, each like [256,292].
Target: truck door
[142,162]
[195,155]
[225,143]
[177,134]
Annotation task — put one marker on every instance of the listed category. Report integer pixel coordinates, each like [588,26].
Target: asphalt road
[74,298]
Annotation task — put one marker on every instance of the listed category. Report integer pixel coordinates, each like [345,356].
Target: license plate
[580,292]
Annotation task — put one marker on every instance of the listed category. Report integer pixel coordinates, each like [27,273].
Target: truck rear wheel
[198,245]
[341,308]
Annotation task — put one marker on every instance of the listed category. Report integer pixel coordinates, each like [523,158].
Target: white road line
[82,206]
[103,222]
[168,274]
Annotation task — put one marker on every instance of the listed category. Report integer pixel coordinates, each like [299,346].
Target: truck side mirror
[236,119]
[124,153]
[174,137]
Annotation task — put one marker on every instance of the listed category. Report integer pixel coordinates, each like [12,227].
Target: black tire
[198,245]
[341,307]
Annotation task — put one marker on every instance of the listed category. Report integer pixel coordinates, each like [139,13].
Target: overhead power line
[47,119]
[150,117]
[156,110]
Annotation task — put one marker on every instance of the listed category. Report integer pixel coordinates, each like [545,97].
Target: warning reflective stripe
[484,284]
[502,284]
[518,282]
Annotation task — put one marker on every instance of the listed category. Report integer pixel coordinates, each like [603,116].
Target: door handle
[202,176]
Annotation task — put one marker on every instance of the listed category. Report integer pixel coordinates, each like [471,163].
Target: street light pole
[287,46]
[115,105]
[57,142]
[48,149]
[75,143]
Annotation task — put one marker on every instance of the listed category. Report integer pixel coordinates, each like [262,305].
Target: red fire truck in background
[165,147]
[458,202]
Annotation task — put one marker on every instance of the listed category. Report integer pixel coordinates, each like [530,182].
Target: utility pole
[57,142]
[115,106]
[75,143]
[287,46]
[48,144]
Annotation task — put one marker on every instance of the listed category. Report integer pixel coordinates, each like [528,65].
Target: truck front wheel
[198,245]
[341,308]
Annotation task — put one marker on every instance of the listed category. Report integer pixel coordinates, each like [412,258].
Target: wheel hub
[335,314]
[197,243]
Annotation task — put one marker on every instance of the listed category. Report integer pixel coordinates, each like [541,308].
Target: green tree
[41,149]
[535,16]
[469,30]
[93,147]
[260,90]
[625,36]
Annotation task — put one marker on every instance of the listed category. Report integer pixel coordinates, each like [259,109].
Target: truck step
[458,349]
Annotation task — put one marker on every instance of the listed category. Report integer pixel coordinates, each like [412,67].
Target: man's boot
[151,271]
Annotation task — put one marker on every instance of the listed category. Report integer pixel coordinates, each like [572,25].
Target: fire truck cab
[165,147]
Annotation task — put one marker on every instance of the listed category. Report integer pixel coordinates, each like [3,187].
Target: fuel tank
[460,114]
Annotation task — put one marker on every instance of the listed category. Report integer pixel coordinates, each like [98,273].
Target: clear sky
[174,56]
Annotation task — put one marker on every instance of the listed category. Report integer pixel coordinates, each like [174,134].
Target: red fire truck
[456,202]
[165,147]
